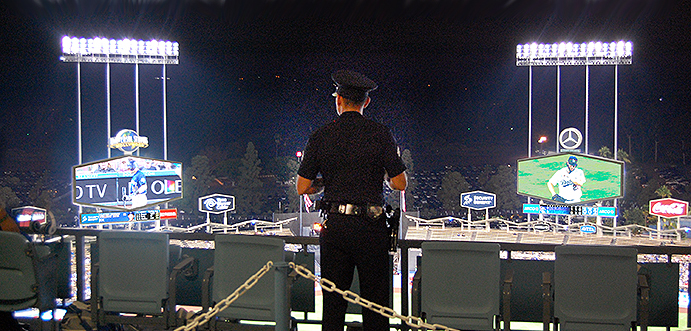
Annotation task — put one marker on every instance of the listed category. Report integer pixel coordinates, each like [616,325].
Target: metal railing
[81,236]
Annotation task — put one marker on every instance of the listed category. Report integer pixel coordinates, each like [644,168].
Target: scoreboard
[569,210]
[128,216]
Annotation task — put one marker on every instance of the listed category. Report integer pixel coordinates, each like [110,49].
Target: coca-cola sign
[668,207]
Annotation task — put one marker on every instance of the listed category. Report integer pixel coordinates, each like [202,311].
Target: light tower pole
[574,54]
[107,51]
[123,51]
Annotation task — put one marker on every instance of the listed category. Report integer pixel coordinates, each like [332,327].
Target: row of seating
[132,276]
[464,285]
[460,285]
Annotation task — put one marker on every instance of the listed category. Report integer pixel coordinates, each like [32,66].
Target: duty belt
[372,212]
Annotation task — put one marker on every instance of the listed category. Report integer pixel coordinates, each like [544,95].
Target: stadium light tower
[575,54]
[125,51]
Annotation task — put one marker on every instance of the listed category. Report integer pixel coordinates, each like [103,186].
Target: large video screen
[570,178]
[126,183]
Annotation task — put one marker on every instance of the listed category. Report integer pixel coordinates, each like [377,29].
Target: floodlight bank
[104,50]
[568,53]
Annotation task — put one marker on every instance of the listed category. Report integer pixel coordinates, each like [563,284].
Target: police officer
[355,156]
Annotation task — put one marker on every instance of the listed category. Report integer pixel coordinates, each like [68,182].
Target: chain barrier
[353,297]
[223,304]
[326,284]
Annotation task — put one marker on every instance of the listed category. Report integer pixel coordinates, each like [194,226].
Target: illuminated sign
[216,203]
[478,200]
[128,141]
[588,228]
[569,210]
[126,183]
[592,179]
[27,214]
[668,207]
[128,216]
[570,139]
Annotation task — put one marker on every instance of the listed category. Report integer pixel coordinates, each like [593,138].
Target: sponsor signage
[27,214]
[216,203]
[668,207]
[126,183]
[128,216]
[569,210]
[570,139]
[588,228]
[478,200]
[128,141]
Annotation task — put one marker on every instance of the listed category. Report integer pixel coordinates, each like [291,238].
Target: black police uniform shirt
[352,153]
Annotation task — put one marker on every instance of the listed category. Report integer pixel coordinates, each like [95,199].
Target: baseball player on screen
[137,186]
[570,179]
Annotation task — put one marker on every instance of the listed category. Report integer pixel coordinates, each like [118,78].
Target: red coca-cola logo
[668,208]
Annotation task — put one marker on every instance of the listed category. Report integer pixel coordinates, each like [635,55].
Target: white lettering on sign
[169,213]
[101,193]
[483,200]
[217,203]
[676,209]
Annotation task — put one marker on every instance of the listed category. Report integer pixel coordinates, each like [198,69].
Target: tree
[488,171]
[452,185]
[8,199]
[39,196]
[638,216]
[604,151]
[197,179]
[291,192]
[622,155]
[407,158]
[503,184]
[663,192]
[249,191]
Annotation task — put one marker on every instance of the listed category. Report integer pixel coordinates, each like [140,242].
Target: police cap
[353,85]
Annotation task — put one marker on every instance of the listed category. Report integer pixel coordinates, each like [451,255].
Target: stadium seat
[460,284]
[132,276]
[20,287]
[236,259]
[531,291]
[595,287]
[302,298]
[29,279]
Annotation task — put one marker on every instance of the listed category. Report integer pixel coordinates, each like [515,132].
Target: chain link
[352,297]
[326,284]
[223,304]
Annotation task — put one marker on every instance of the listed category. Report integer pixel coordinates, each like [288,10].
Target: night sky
[259,70]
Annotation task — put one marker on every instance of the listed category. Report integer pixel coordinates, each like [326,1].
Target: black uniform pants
[350,241]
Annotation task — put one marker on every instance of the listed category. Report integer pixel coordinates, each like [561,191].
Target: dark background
[259,71]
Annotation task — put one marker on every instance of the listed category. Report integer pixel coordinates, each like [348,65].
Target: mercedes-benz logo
[570,138]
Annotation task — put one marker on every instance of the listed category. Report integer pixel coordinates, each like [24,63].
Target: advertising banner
[27,214]
[216,203]
[668,207]
[128,216]
[126,183]
[569,210]
[478,200]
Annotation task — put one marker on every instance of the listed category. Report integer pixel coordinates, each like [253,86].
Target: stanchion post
[80,257]
[282,296]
